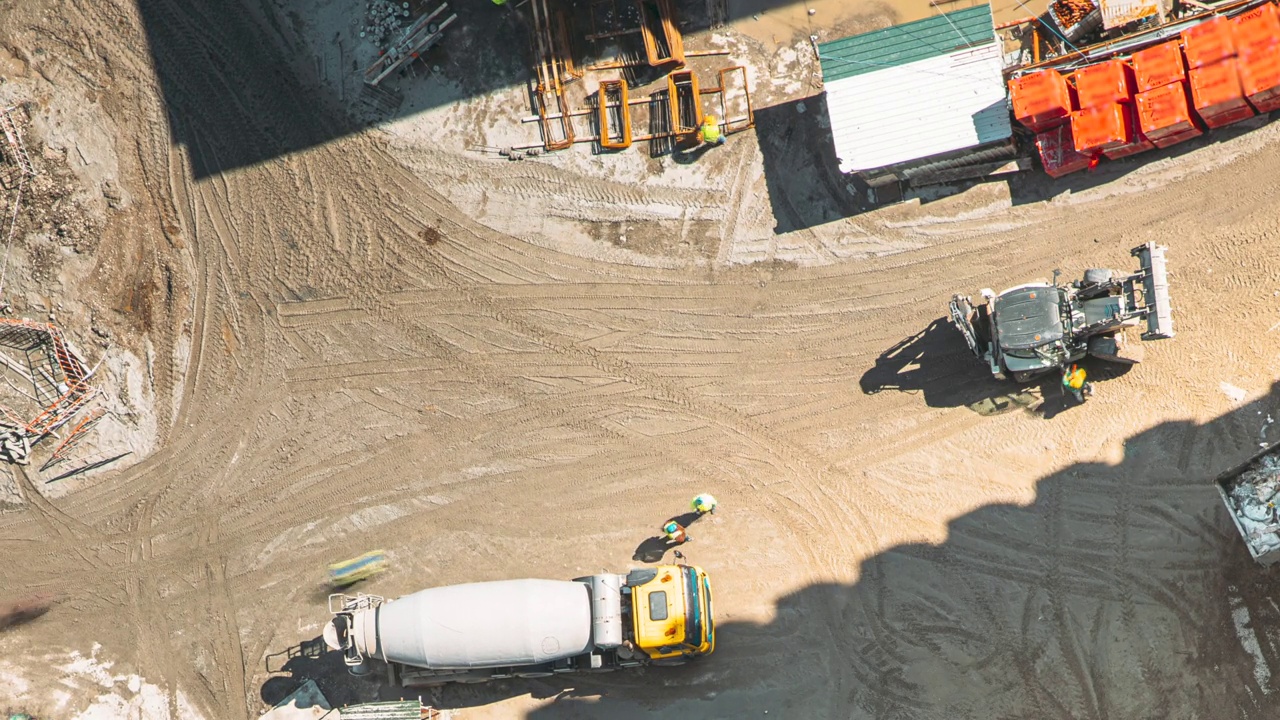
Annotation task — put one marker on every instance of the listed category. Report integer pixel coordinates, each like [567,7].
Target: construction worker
[1076,381]
[704,503]
[675,533]
[710,131]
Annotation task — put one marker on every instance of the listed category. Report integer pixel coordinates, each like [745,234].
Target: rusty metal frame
[550,88]
[568,67]
[687,80]
[733,125]
[615,94]
[666,17]
[618,87]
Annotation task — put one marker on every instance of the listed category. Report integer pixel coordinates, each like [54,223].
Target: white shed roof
[896,113]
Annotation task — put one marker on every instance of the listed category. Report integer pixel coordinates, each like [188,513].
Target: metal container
[1263,552]
[1118,13]
[1086,25]
[606,610]
[1058,154]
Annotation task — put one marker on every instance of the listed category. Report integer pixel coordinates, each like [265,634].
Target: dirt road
[343,359]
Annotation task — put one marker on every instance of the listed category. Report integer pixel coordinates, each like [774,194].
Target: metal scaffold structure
[43,359]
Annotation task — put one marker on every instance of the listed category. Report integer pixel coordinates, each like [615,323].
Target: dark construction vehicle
[1044,327]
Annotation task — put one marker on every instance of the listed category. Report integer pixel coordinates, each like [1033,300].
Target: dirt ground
[384,339]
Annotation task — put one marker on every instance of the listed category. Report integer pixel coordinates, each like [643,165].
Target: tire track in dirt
[670,353]
[793,457]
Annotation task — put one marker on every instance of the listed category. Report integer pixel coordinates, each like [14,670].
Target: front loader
[1038,328]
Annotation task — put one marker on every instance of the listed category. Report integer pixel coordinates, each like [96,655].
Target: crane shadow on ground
[26,610]
[1121,590]
[245,82]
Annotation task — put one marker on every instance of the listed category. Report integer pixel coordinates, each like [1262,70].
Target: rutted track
[462,403]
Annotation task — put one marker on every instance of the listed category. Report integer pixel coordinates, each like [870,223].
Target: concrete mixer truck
[527,628]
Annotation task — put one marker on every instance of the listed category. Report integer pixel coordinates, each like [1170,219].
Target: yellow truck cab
[671,612]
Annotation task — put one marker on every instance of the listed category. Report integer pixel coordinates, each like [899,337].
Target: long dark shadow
[1121,591]
[245,81]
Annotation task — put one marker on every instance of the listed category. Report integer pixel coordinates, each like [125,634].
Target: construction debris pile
[1255,495]
[1070,12]
[409,43]
[383,18]
[52,375]
[37,362]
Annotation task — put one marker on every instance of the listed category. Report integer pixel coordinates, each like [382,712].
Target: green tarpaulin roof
[907,43]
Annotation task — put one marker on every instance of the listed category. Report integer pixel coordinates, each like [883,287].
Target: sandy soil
[387,340]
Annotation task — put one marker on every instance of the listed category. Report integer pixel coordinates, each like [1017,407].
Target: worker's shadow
[688,156]
[654,549]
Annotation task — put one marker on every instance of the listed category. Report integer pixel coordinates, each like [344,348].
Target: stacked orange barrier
[1257,40]
[1157,66]
[1106,123]
[1103,83]
[1216,73]
[1041,100]
[1102,128]
[1215,80]
[1044,103]
[1164,114]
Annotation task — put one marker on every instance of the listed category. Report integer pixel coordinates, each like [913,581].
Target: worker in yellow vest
[704,503]
[1076,380]
[710,131]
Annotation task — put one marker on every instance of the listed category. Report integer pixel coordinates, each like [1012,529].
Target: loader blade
[961,311]
[1155,290]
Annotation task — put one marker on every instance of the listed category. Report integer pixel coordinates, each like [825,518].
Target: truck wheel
[1095,276]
